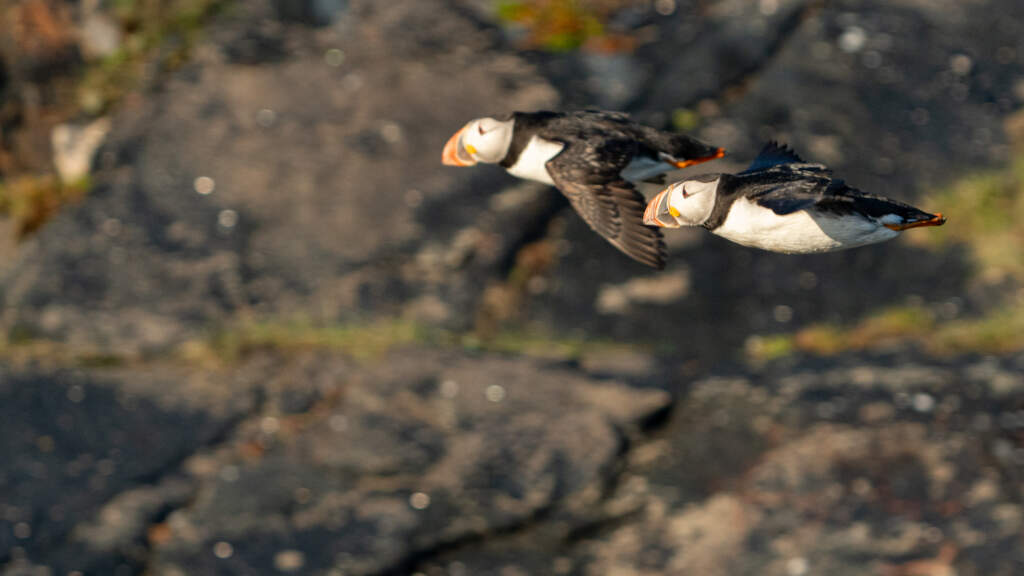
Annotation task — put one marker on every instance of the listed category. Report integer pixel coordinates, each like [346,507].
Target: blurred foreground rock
[75,444]
[881,465]
[437,462]
[390,463]
[430,452]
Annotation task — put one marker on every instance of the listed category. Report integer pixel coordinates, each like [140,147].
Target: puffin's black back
[601,125]
[785,188]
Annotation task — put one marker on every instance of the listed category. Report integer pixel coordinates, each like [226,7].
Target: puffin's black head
[481,140]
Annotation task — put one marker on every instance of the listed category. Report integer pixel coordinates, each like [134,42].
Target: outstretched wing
[607,203]
[779,155]
[615,210]
[606,115]
[773,154]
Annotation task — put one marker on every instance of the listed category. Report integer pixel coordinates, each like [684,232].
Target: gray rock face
[835,468]
[314,12]
[433,461]
[429,452]
[918,104]
[76,447]
[702,50]
[308,185]
[393,462]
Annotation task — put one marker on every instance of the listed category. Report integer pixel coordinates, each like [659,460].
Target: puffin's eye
[486,126]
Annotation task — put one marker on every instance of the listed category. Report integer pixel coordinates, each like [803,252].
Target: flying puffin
[784,204]
[595,158]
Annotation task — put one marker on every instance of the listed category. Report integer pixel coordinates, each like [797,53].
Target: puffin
[596,158]
[783,204]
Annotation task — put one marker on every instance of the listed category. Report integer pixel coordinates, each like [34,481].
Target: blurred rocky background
[250,325]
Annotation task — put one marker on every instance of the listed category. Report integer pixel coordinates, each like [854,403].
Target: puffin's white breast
[531,162]
[801,232]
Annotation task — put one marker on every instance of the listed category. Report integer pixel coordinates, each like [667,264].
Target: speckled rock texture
[290,170]
[372,469]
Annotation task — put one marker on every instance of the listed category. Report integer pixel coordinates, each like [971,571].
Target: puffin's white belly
[801,232]
[531,162]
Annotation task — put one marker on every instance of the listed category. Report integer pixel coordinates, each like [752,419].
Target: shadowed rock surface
[424,454]
[877,465]
[376,468]
[289,173]
[72,443]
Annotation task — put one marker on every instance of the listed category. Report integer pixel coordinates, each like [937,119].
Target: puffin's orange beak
[651,213]
[454,154]
[714,156]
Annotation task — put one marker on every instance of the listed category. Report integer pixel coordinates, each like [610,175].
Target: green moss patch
[29,201]
[1001,330]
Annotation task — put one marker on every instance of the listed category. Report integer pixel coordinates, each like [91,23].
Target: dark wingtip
[776,148]
[657,262]
[662,252]
[661,255]
[650,251]
[774,154]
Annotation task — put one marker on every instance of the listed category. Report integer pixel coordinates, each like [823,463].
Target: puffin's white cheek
[487,148]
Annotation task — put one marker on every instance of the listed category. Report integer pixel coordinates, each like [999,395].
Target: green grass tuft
[372,340]
[29,201]
[541,345]
[986,212]
[762,349]
[561,25]
[362,341]
[1000,330]
[684,119]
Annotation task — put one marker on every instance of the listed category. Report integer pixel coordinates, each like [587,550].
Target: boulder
[308,186]
[428,451]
